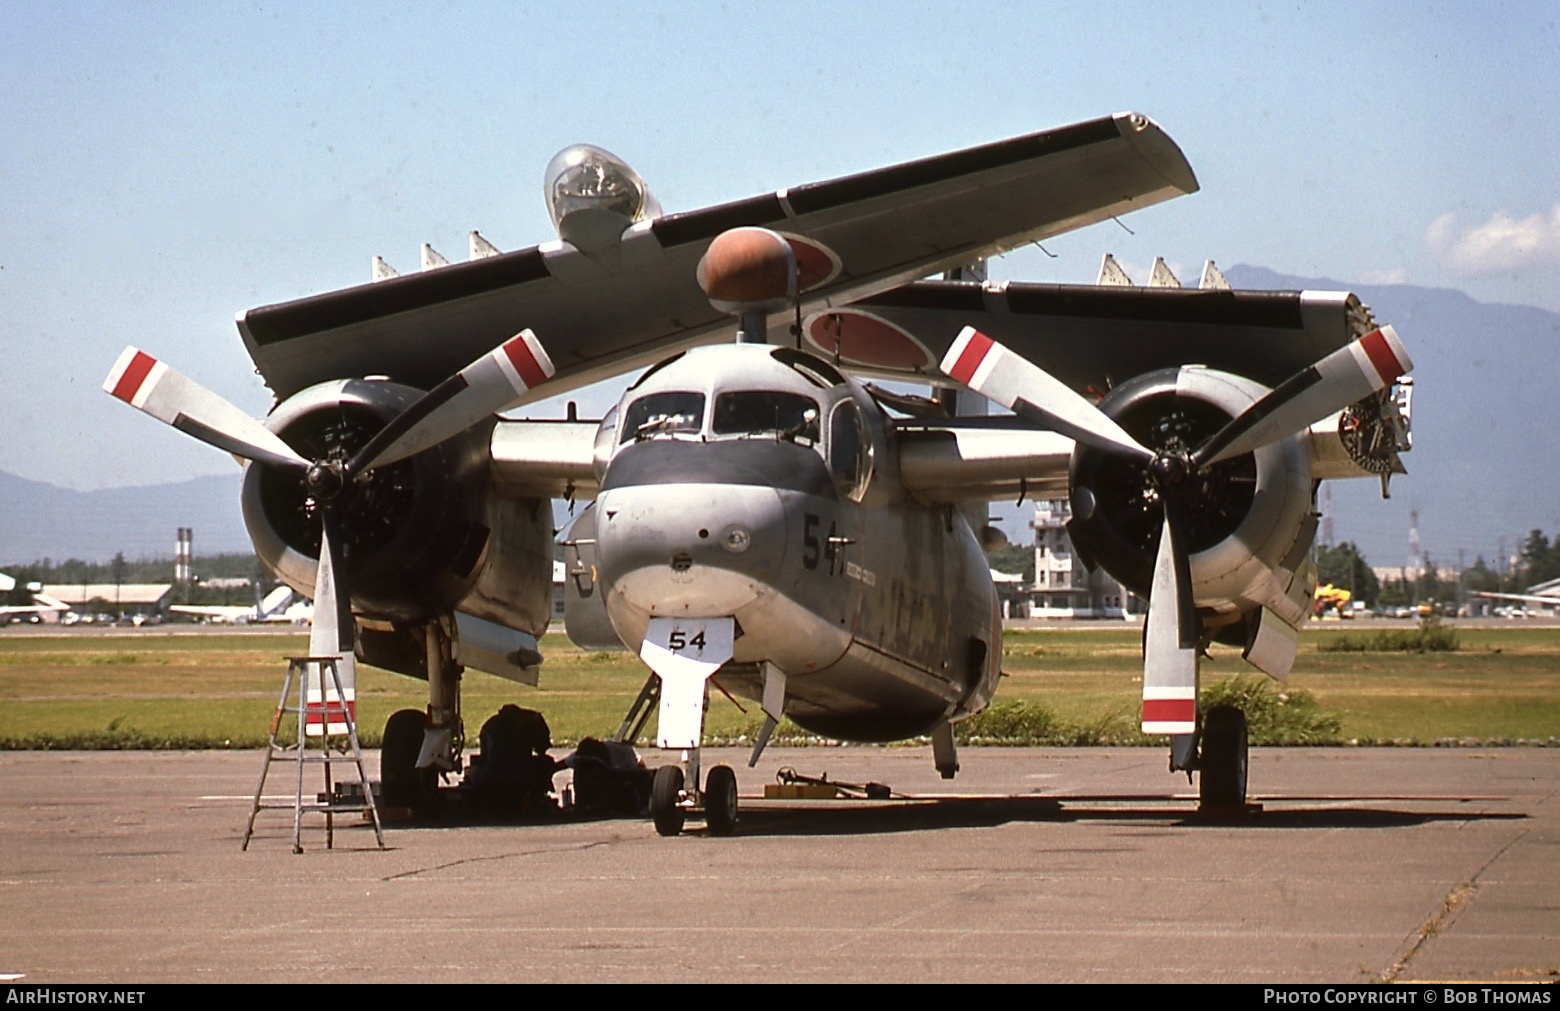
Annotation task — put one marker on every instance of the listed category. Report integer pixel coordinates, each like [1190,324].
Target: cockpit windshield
[662,414]
[766,412]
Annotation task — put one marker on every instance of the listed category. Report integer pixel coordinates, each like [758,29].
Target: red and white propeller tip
[1029,391]
[1346,376]
[1170,641]
[500,379]
[173,398]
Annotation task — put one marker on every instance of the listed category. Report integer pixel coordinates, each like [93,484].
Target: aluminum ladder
[322,751]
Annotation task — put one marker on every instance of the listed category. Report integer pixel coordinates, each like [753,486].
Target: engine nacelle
[414,533]
[1243,517]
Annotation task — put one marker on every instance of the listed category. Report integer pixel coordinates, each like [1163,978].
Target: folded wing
[634,303]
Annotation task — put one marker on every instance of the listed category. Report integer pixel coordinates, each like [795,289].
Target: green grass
[1501,684]
[1062,687]
[1432,636]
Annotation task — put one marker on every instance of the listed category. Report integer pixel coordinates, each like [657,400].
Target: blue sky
[168,165]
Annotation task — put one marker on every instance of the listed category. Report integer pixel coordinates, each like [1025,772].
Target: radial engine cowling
[1242,517]
[413,531]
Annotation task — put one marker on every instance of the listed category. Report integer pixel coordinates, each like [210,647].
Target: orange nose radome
[748,269]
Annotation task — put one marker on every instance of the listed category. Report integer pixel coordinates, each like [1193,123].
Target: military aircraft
[763,518]
[38,603]
[273,607]
[1544,595]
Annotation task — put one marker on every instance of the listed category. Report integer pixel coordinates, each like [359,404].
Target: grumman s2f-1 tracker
[761,518]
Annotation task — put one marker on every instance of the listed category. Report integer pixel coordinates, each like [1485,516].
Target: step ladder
[317,749]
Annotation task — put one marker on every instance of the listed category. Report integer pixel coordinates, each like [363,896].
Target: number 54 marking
[678,640]
[814,549]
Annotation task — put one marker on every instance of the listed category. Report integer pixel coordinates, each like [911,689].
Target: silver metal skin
[879,609]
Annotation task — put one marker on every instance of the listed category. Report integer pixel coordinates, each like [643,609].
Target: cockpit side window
[766,412]
[663,414]
[850,457]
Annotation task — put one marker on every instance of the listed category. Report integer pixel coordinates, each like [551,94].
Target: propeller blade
[1170,638]
[332,629]
[173,398]
[498,380]
[1349,374]
[331,635]
[998,374]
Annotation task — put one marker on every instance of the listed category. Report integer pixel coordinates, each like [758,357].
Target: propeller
[1029,391]
[330,635]
[173,398]
[1170,638]
[1346,376]
[1339,379]
[497,381]
[502,378]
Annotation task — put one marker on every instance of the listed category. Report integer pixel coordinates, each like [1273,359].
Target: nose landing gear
[684,653]
[671,804]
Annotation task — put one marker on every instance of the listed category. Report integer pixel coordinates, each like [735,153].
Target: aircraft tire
[1222,781]
[720,801]
[401,783]
[665,793]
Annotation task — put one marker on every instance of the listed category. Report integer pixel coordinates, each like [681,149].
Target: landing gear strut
[1222,781]
[684,654]
[420,747]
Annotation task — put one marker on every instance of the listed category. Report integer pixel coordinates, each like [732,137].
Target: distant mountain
[42,520]
[1485,467]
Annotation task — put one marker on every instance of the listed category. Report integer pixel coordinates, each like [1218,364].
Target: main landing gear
[1220,755]
[419,747]
[401,783]
[1224,761]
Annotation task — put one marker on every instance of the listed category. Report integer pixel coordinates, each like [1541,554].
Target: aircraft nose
[696,549]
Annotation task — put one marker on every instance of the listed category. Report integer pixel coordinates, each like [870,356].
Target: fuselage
[759,483]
